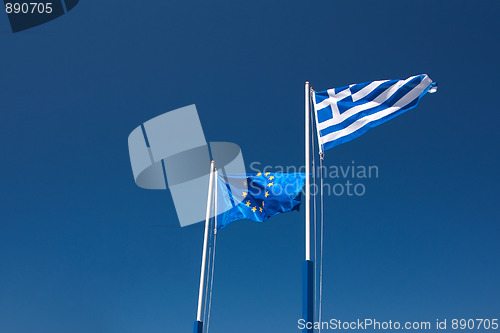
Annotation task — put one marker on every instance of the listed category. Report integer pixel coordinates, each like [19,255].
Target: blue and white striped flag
[345,113]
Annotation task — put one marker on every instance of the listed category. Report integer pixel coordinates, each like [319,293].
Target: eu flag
[257,197]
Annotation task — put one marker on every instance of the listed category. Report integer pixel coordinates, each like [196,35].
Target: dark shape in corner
[41,14]
[70,4]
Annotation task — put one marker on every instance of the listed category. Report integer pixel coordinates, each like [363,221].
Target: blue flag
[257,197]
[343,114]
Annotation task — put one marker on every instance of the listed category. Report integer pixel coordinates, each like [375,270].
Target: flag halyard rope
[321,243]
[213,259]
[319,299]
[213,253]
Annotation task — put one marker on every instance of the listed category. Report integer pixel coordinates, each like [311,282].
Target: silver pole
[308,202]
[205,240]
[308,267]
[215,206]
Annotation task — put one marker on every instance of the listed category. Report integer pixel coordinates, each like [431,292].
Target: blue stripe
[357,87]
[385,105]
[337,90]
[347,103]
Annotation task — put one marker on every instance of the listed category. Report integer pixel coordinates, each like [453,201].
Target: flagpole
[307,162]
[198,324]
[308,266]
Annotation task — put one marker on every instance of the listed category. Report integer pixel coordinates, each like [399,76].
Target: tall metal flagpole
[308,266]
[198,324]
[308,203]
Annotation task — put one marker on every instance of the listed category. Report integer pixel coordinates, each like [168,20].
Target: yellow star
[262,203]
[270,184]
[268,173]
[245,183]
[248,203]
[271,178]
[267,194]
[254,209]
[244,193]
[260,173]
[260,209]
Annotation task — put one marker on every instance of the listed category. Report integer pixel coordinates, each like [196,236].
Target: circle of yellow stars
[269,185]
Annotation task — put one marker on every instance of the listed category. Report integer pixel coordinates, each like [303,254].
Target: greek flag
[343,114]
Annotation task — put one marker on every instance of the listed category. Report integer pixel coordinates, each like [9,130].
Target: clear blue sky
[83,249]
